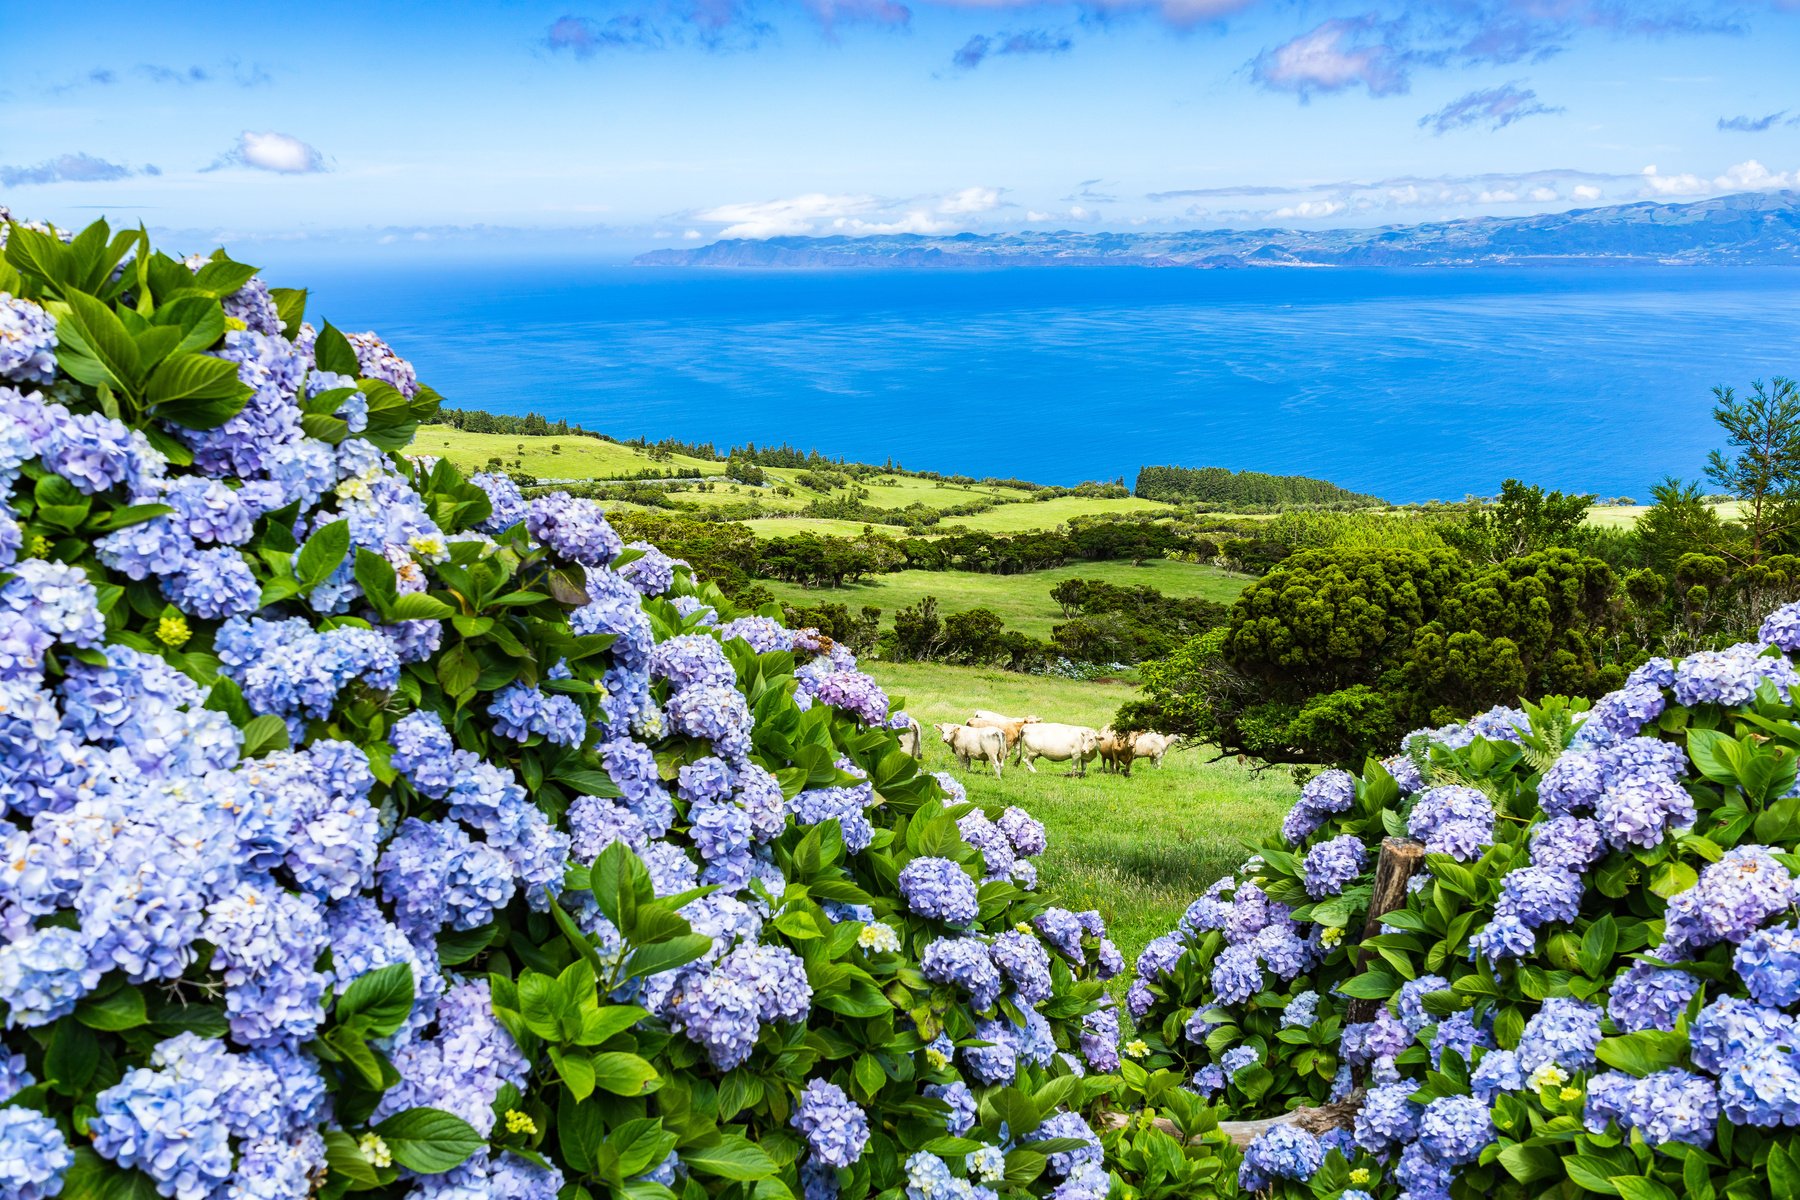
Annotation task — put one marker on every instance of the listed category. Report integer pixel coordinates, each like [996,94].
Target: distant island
[1751,229]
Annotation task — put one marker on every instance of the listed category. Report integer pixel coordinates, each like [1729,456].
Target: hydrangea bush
[373,829]
[1592,984]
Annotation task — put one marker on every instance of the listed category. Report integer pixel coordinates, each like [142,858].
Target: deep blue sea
[1412,385]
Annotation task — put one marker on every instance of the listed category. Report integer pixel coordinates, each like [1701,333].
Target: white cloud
[1498,196]
[1748,176]
[824,213]
[1543,195]
[269,151]
[691,235]
[1310,209]
[970,200]
[1038,218]
[1331,57]
[1585,191]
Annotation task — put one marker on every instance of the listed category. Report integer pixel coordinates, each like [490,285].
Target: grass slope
[1138,849]
[575,457]
[1022,600]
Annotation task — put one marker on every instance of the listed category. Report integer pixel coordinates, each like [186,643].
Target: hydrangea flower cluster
[247,774]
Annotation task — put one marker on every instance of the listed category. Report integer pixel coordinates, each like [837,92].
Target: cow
[1115,750]
[1152,746]
[912,738]
[1010,726]
[1058,743]
[969,743]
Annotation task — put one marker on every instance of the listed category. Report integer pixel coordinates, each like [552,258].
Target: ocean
[1412,385]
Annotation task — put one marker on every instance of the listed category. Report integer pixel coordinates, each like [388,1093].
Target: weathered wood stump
[1322,1119]
[1400,860]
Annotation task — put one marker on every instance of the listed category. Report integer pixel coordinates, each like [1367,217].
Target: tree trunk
[1400,860]
[1322,1119]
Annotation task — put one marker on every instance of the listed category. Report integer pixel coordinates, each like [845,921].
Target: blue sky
[678,121]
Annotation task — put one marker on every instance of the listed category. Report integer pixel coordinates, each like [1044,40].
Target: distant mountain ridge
[1750,229]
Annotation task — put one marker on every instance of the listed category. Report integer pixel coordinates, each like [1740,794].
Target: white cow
[969,743]
[912,738]
[1058,743]
[1010,726]
[1152,746]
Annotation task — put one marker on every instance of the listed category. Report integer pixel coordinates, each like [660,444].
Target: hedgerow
[372,829]
[1589,988]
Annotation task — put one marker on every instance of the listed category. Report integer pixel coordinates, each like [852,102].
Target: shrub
[1589,987]
[373,829]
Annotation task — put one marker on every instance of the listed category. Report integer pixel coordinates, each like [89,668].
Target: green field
[1022,600]
[548,457]
[574,458]
[1623,516]
[1138,849]
[1048,514]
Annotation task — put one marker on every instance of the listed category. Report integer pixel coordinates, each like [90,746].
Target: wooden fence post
[1400,860]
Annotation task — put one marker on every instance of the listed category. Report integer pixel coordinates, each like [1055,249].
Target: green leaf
[1784,1173]
[265,734]
[1372,985]
[71,1058]
[419,606]
[577,1071]
[91,330]
[665,956]
[458,670]
[1636,1187]
[1530,1163]
[732,1157]
[429,1140]
[290,307]
[322,554]
[383,998]
[332,352]
[1592,1173]
[1643,1053]
[344,1159]
[121,1009]
[1597,946]
[623,1074]
[599,1024]
[1717,755]
[196,391]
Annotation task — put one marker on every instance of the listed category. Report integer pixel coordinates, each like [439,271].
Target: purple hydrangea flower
[27,341]
[1281,1152]
[1649,997]
[1458,821]
[1329,866]
[835,1129]
[938,888]
[963,962]
[573,528]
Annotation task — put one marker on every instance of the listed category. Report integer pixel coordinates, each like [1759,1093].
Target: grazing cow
[912,738]
[970,743]
[1152,746]
[1058,743]
[1009,726]
[1115,750]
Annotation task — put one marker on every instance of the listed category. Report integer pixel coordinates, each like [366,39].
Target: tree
[1678,522]
[1523,520]
[1530,626]
[918,632]
[1763,430]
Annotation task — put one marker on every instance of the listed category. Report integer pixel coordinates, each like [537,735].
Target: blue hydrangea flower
[938,889]
[1458,821]
[1564,1031]
[33,1156]
[965,963]
[1649,997]
[1281,1152]
[1455,1129]
[1329,866]
[834,1127]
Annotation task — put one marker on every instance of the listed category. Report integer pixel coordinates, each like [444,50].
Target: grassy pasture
[577,458]
[1624,516]
[1138,849]
[1023,600]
